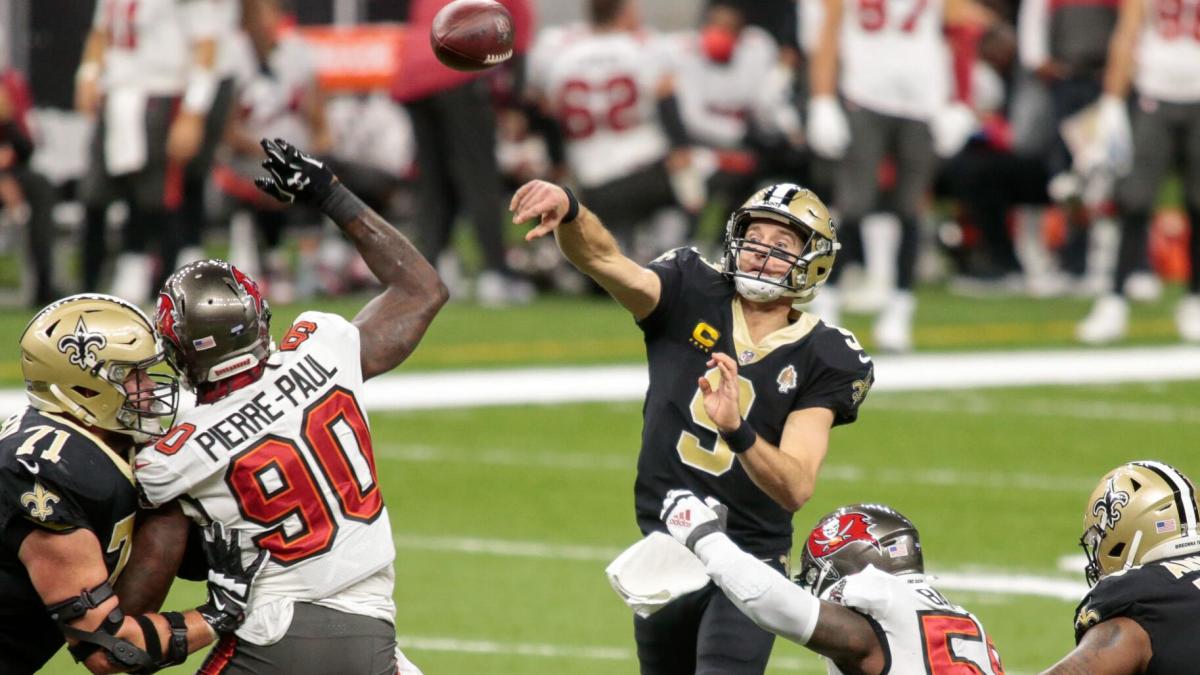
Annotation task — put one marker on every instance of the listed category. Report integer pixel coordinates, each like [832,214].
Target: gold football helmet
[1140,512]
[804,212]
[78,352]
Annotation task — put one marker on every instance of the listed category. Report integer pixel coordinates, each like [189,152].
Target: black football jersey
[54,476]
[805,365]
[1163,597]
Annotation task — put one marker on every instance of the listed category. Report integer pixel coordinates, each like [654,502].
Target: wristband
[572,205]
[740,439]
[341,205]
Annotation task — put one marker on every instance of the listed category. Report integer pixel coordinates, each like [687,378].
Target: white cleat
[1187,318]
[1143,287]
[494,289]
[1107,322]
[893,328]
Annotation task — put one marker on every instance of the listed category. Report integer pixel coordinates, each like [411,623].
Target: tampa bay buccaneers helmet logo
[835,533]
[1108,507]
[82,345]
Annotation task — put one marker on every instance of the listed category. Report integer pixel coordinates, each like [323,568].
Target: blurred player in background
[277,96]
[1142,543]
[610,86]
[148,75]
[888,61]
[718,339]
[457,171]
[862,600]
[1155,50]
[68,501]
[279,445]
[735,97]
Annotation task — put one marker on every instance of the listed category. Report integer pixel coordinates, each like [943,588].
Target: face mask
[718,43]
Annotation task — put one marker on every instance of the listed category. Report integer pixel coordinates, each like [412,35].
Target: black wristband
[572,205]
[740,439]
[341,205]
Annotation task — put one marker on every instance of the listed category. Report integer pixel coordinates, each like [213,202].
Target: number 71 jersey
[923,632]
[288,460]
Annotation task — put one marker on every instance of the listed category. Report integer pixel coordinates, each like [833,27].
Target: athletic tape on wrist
[342,205]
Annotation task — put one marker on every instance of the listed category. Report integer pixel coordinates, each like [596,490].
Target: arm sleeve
[1033,34]
[1113,597]
[761,593]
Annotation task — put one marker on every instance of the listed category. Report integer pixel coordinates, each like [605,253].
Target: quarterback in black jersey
[1142,540]
[68,503]
[744,390]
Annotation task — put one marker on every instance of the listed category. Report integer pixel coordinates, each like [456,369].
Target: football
[472,34]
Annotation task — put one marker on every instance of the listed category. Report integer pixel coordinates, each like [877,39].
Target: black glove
[295,177]
[228,580]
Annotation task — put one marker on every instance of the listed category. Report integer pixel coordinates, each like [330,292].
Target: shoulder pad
[1114,596]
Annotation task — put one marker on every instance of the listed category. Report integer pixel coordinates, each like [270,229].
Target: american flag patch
[204,343]
[897,550]
[1162,526]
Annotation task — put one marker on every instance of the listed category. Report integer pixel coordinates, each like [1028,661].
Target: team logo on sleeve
[82,345]
[786,379]
[1108,507]
[1086,618]
[839,531]
[40,502]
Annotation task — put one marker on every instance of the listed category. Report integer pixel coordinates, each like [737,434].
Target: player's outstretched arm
[1118,646]
[156,553]
[587,244]
[68,572]
[769,598]
[392,324]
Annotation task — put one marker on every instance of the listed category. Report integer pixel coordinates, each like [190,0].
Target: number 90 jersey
[922,632]
[288,460]
[807,364]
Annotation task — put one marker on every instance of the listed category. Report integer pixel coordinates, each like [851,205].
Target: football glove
[828,128]
[295,177]
[229,580]
[689,520]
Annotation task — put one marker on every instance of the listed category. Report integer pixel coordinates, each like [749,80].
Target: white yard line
[1057,588]
[916,372]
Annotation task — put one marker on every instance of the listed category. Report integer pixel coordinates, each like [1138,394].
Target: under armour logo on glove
[229,580]
[294,175]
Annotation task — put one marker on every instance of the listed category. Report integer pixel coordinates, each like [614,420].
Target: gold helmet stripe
[1185,494]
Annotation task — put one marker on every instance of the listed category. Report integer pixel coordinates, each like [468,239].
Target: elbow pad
[121,652]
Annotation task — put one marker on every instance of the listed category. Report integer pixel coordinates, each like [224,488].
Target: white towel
[653,572]
[125,131]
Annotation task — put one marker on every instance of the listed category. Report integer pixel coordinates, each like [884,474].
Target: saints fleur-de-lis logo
[1108,507]
[39,501]
[82,345]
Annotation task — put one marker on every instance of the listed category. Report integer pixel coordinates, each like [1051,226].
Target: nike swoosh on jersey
[30,466]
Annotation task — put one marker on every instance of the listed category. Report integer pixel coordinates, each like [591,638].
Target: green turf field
[506,517]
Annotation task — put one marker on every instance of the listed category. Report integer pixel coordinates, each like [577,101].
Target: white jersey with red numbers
[602,89]
[1168,53]
[894,59]
[271,98]
[926,633]
[288,461]
[150,42]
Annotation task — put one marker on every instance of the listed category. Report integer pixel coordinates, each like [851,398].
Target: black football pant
[705,634]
